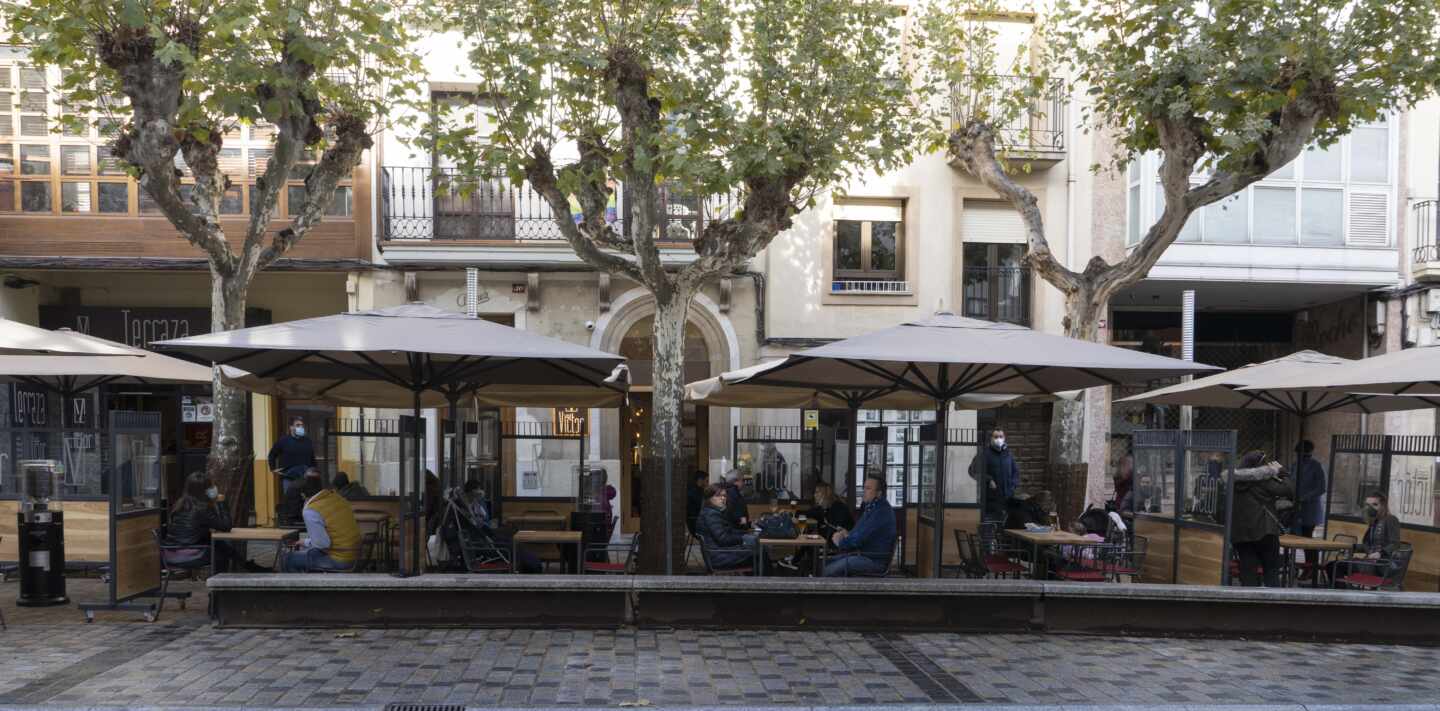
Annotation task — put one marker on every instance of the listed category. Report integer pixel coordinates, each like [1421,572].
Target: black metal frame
[955,437]
[543,432]
[1386,446]
[1182,442]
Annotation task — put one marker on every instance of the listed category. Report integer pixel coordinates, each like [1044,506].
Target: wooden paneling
[1200,554]
[924,553]
[137,562]
[1424,573]
[124,236]
[87,531]
[1160,558]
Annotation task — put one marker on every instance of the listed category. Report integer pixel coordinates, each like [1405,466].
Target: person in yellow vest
[332,537]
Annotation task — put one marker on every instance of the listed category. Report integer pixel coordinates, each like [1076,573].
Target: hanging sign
[568,421]
[812,419]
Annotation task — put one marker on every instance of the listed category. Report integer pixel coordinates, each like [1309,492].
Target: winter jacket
[1382,535]
[996,465]
[192,525]
[716,532]
[874,533]
[735,508]
[1309,488]
[827,520]
[292,455]
[1254,516]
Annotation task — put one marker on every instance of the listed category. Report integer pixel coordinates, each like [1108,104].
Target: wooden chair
[1382,574]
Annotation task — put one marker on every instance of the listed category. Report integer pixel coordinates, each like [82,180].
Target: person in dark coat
[717,532]
[1382,535]
[349,489]
[695,498]
[292,455]
[292,503]
[996,474]
[1309,493]
[1124,480]
[196,515]
[1255,521]
[735,509]
[868,548]
[830,514]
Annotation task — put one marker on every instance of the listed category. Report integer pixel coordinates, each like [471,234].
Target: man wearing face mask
[996,474]
[292,455]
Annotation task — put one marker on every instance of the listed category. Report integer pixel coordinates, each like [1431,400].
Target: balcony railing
[1425,256]
[1038,127]
[998,294]
[444,205]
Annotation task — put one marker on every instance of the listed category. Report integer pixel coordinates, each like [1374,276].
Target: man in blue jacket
[867,549]
[996,474]
[1309,490]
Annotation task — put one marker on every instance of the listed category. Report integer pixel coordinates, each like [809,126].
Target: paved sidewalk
[182,662]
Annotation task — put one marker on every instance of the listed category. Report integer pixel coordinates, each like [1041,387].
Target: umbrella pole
[457,477]
[846,479]
[415,500]
[941,434]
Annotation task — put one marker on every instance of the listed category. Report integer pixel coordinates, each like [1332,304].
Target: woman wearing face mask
[195,516]
[1382,529]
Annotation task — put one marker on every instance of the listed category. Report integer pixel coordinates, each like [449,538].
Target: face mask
[999,442]
[212,493]
[299,431]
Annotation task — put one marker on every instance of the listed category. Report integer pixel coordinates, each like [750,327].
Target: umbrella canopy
[1253,387]
[78,373]
[735,389]
[1412,371]
[388,357]
[20,339]
[947,356]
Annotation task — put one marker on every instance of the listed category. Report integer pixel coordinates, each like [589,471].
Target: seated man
[867,549]
[332,536]
[717,532]
[351,490]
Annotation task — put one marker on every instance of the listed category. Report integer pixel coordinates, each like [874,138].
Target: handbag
[780,525]
[437,549]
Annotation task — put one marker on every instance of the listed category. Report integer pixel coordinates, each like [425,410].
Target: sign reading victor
[138,326]
[569,421]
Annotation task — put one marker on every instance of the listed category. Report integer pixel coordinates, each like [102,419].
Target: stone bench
[293,600]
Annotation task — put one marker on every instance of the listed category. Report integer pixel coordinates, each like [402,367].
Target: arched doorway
[638,347]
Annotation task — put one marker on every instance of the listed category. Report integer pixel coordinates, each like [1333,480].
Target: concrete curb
[885,707]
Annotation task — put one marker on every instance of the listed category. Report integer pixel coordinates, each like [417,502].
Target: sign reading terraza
[137,327]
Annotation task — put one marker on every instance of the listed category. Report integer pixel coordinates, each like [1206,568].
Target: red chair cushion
[484,567]
[1363,580]
[1003,566]
[606,567]
[1083,576]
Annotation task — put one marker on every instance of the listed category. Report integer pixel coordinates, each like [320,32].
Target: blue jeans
[854,565]
[291,478]
[310,559]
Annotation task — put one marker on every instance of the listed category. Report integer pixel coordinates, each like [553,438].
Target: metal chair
[1128,561]
[169,570]
[999,560]
[1322,567]
[970,564]
[1384,574]
[608,566]
[706,551]
[1086,563]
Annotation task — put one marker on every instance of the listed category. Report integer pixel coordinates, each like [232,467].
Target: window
[232,202]
[1133,212]
[7,158]
[75,197]
[996,282]
[109,164]
[7,196]
[35,197]
[1339,196]
[74,160]
[34,160]
[114,197]
[869,240]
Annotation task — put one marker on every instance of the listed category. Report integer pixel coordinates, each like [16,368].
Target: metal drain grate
[424,707]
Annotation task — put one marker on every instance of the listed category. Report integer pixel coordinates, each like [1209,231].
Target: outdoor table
[807,541]
[278,536]
[548,519]
[563,538]
[380,520]
[1291,543]
[1048,538]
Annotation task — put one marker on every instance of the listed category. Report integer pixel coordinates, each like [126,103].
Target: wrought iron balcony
[1425,256]
[1036,135]
[441,204]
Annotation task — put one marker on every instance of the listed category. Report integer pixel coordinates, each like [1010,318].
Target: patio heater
[42,533]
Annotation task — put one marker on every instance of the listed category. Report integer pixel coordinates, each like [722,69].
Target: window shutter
[870,210]
[1369,220]
[991,221]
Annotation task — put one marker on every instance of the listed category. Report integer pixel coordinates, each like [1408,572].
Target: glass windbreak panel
[1354,476]
[1412,488]
[960,488]
[544,467]
[1155,480]
[924,480]
[1205,489]
[137,469]
[773,467]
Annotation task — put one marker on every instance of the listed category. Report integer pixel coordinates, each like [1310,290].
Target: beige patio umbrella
[75,374]
[22,339]
[1411,371]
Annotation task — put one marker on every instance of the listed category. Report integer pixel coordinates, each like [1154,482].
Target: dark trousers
[1312,558]
[1263,554]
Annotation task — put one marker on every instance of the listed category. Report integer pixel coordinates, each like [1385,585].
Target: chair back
[1399,565]
[1349,539]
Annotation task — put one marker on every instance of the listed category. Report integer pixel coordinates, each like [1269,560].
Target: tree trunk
[1083,313]
[227,466]
[665,436]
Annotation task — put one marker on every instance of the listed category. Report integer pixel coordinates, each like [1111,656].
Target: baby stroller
[473,546]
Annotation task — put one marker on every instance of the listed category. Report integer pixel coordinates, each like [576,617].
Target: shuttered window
[869,239]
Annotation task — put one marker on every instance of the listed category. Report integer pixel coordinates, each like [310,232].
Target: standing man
[292,455]
[867,550]
[996,474]
[1309,488]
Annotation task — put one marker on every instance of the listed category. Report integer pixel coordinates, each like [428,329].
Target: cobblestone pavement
[52,659]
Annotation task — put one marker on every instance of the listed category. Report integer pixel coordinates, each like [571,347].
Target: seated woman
[830,514]
[194,517]
[719,535]
[1382,535]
